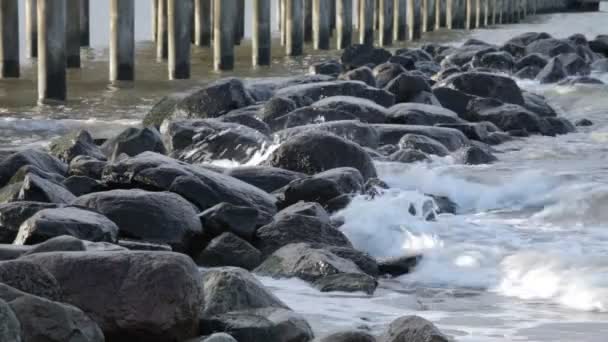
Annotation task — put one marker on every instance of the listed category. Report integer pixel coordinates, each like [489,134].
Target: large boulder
[452,99]
[316,151]
[303,94]
[226,217]
[79,223]
[421,114]
[13,214]
[202,187]
[33,157]
[534,59]
[322,268]
[132,142]
[348,336]
[353,130]
[79,143]
[266,178]
[87,167]
[162,217]
[574,65]
[310,115]
[507,116]
[363,74]
[37,189]
[412,329]
[499,61]
[386,72]
[600,44]
[406,87]
[485,85]
[229,250]
[550,47]
[424,144]
[152,296]
[30,278]
[363,110]
[528,38]
[358,55]
[538,105]
[10,328]
[451,138]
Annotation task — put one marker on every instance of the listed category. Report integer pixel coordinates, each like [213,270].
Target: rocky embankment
[140,238]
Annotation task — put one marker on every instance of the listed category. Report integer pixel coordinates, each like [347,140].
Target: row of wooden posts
[57,29]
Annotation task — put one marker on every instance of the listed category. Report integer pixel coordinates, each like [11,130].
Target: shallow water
[525,259]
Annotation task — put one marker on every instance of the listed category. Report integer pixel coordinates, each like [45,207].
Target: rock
[601,65]
[405,87]
[428,69]
[10,328]
[574,64]
[277,107]
[386,72]
[323,269]
[600,44]
[79,143]
[560,125]
[398,266]
[30,278]
[538,105]
[348,336]
[311,209]
[144,246]
[230,289]
[261,325]
[364,261]
[424,144]
[247,116]
[572,81]
[363,74]
[507,116]
[202,187]
[12,215]
[409,156]
[36,158]
[309,115]
[485,85]
[515,50]
[226,217]
[480,131]
[332,68]
[81,185]
[20,175]
[303,94]
[82,224]
[358,55]
[63,243]
[316,151]
[531,60]
[163,109]
[553,72]
[407,62]
[87,167]
[421,114]
[38,189]
[584,123]
[550,47]
[462,56]
[474,155]
[353,130]
[418,55]
[150,216]
[452,99]
[294,228]
[528,38]
[229,250]
[159,292]
[266,178]
[132,142]
[44,320]
[528,73]
[219,337]
[500,61]
[362,109]
[450,138]
[412,328]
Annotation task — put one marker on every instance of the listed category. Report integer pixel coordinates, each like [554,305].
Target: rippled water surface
[526,258]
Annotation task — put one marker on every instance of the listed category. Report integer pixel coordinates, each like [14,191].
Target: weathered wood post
[399,21]
[283,21]
[494,12]
[366,22]
[261,43]
[154,19]
[467,20]
[31,28]
[202,22]
[411,25]
[9,38]
[501,11]
[344,23]
[424,10]
[295,28]
[308,30]
[162,39]
[179,13]
[477,13]
[332,16]
[72,27]
[122,40]
[438,14]
[385,21]
[448,14]
[486,13]
[51,50]
[239,30]
[320,24]
[224,12]
[85,23]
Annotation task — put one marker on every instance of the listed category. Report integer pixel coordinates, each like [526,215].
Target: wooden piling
[202,22]
[486,13]
[344,23]
[320,24]
[468,15]
[179,31]
[224,12]
[261,43]
[411,20]
[366,22]
[332,16]
[51,50]
[122,40]
[31,28]
[494,12]
[385,12]
[424,10]
[448,14]
[477,13]
[9,38]
[308,21]
[239,30]
[162,39]
[73,39]
[295,28]
[399,21]
[438,14]
[85,23]
[283,21]
[154,19]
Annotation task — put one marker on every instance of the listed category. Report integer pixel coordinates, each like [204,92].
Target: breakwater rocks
[158,233]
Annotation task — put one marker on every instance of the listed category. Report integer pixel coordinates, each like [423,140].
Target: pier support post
[239,21]
[438,14]
[320,27]
[154,19]
[224,12]
[385,18]
[486,13]
[261,44]
[31,28]
[411,20]
[9,38]
[308,21]
[162,39]
[468,15]
[344,23]
[366,22]
[202,22]
[179,13]
[477,13]
[283,21]
[424,10]
[448,14]
[85,23]
[399,21]
[73,38]
[332,17]
[295,28]
[51,50]
[122,40]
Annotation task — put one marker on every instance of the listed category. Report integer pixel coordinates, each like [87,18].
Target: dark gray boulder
[601,65]
[412,328]
[87,167]
[600,44]
[247,116]
[484,131]
[409,156]
[352,130]
[325,270]
[528,38]
[560,125]
[37,189]
[474,155]
[506,116]
[133,245]
[10,328]
[159,292]
[528,73]
[550,47]
[499,61]
[452,99]
[13,214]
[421,114]
[79,143]
[312,209]
[538,105]
[309,115]
[132,142]
[79,223]
[553,72]
[67,243]
[398,266]
[26,170]
[363,74]
[229,289]
[358,55]
[306,93]
[451,138]
[266,178]
[229,250]
[386,72]
[584,123]
[226,217]
[362,109]
[277,107]
[407,62]
[485,85]
[580,80]
[331,68]
[150,216]
[81,185]
[218,337]
[424,144]
[316,151]
[418,55]
[30,278]
[574,64]
[406,87]
[33,157]
[532,60]
[348,336]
